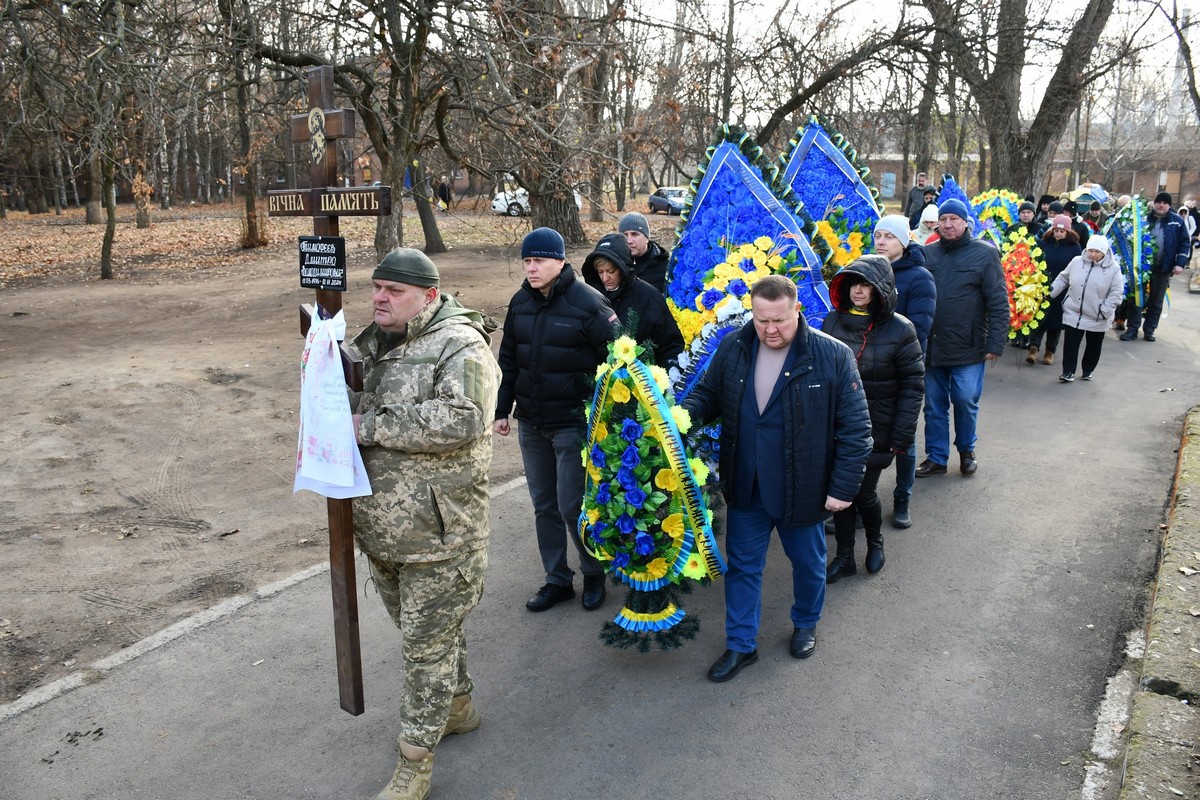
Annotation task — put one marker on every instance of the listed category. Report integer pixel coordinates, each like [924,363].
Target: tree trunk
[108,192]
[95,191]
[429,223]
[558,211]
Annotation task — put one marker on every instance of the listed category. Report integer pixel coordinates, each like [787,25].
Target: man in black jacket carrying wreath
[556,333]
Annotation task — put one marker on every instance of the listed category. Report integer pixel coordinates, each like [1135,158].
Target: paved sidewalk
[1163,746]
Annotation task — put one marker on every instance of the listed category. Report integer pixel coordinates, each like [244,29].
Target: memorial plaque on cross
[321,126]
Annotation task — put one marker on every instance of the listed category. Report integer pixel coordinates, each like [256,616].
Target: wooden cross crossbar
[325,202]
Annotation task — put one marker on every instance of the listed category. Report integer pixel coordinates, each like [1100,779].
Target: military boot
[842,565]
[464,717]
[413,777]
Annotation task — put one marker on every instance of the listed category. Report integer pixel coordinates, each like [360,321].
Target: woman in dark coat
[893,376]
[609,270]
[1060,244]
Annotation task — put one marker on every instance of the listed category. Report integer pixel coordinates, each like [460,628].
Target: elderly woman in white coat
[1094,287]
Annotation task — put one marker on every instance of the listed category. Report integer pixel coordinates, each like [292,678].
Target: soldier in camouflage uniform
[424,424]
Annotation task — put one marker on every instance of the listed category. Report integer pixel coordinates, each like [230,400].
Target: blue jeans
[555,475]
[906,473]
[963,387]
[746,545]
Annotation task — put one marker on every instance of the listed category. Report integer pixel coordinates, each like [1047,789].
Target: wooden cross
[322,125]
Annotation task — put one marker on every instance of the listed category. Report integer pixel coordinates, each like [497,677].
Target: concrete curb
[1162,758]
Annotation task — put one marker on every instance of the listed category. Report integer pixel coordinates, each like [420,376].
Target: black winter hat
[544,243]
[1026,206]
[1163,197]
[1056,207]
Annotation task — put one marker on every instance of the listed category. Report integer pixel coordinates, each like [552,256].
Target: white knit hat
[896,225]
[1097,242]
[930,214]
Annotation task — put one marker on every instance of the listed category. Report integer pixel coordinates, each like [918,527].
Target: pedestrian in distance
[916,300]
[916,195]
[1092,286]
[1172,252]
[890,363]
[423,422]
[927,200]
[556,333]
[795,437]
[640,307]
[969,329]
[1059,246]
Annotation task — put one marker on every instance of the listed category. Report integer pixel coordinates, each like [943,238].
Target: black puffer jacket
[550,350]
[887,350]
[971,320]
[635,299]
[652,267]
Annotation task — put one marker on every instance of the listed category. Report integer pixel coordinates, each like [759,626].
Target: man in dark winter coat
[650,259]
[916,196]
[556,333]
[609,270]
[795,437]
[916,300]
[970,326]
[891,366]
[1173,251]
[1024,222]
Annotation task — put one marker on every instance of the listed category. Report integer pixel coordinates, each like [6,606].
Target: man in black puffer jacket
[889,358]
[795,437]
[609,270]
[650,259]
[556,333]
[970,326]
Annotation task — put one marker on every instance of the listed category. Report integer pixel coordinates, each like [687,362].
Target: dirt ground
[148,453]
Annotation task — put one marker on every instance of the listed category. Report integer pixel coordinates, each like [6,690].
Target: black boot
[842,565]
[874,551]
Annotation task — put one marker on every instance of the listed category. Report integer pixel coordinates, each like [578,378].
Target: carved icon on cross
[316,130]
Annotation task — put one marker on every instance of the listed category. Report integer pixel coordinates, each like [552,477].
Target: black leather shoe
[804,642]
[593,591]
[842,566]
[966,462]
[900,516]
[927,468]
[730,664]
[1149,337]
[549,596]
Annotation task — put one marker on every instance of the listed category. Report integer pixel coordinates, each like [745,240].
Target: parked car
[668,199]
[516,203]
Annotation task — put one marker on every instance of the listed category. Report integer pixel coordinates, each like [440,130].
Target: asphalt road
[971,667]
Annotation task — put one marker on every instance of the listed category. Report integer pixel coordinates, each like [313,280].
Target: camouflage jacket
[426,435]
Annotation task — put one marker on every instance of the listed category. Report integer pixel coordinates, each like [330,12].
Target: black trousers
[1091,354]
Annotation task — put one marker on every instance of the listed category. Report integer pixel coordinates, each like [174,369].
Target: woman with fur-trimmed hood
[891,366]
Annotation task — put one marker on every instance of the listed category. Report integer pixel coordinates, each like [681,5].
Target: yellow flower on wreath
[673,527]
[620,392]
[694,568]
[625,350]
[668,481]
[764,243]
[661,379]
[699,469]
[651,572]
[683,420]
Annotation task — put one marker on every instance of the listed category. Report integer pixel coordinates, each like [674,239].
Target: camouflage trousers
[429,603]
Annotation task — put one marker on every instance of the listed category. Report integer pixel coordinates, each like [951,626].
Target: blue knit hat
[956,207]
[544,243]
